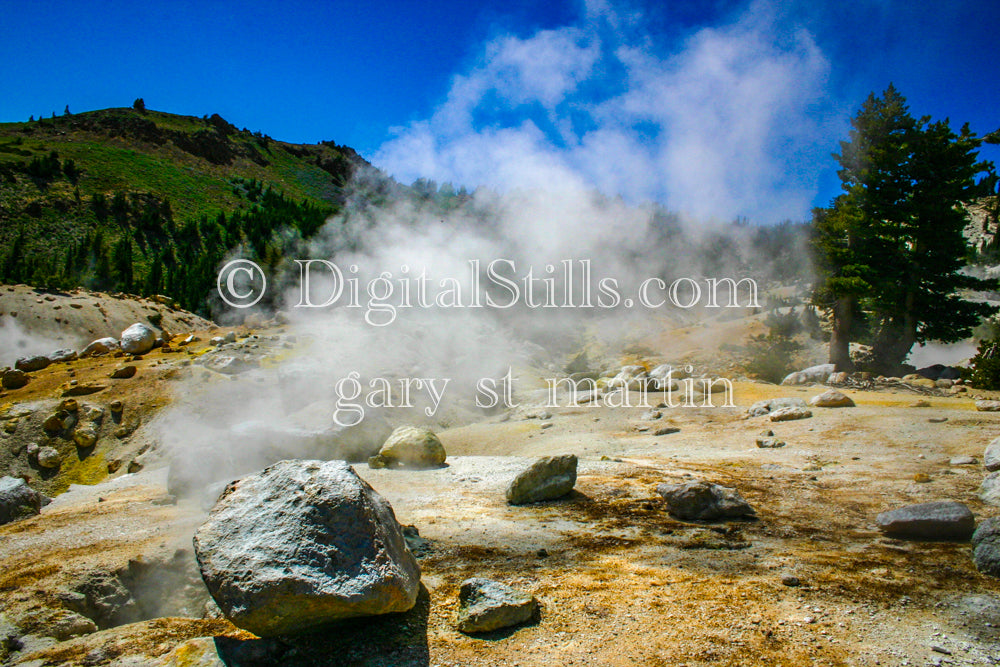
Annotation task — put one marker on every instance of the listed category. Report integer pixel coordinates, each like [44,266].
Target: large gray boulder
[812,375]
[986,547]
[410,447]
[486,605]
[303,543]
[991,457]
[704,501]
[18,500]
[939,520]
[547,478]
[138,339]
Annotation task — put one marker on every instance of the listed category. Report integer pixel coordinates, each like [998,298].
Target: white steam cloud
[725,122]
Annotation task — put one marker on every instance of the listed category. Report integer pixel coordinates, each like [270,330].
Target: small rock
[64,355]
[789,414]
[85,435]
[666,430]
[410,447]
[940,520]
[56,421]
[704,501]
[48,457]
[651,415]
[761,408]
[116,406]
[138,339]
[547,478]
[32,364]
[230,337]
[921,478]
[987,406]
[123,372]
[486,605]
[69,405]
[770,443]
[989,490]
[13,378]
[18,500]
[991,457]
[100,346]
[811,375]
[962,461]
[920,404]
[986,547]
[790,580]
[831,398]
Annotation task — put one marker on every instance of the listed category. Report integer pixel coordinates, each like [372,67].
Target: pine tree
[890,248]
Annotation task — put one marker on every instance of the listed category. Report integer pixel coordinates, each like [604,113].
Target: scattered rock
[791,581]
[138,339]
[769,443]
[704,501]
[921,478]
[228,364]
[939,520]
[838,378]
[962,461]
[831,398]
[666,430]
[811,375]
[230,337]
[18,500]
[650,415]
[986,547]
[56,421]
[101,346]
[991,457]
[547,478]
[789,414]
[761,408]
[85,435]
[64,355]
[13,378]
[48,457]
[123,372]
[32,364]
[331,548]
[82,389]
[920,404]
[410,447]
[987,406]
[989,490]
[486,605]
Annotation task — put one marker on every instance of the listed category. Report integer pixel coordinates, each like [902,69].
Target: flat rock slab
[940,520]
[547,478]
[988,406]
[486,605]
[303,543]
[703,501]
[761,408]
[790,414]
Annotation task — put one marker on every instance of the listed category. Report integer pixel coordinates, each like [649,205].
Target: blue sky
[714,108]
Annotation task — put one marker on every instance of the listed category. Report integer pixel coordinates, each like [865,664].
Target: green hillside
[149,202]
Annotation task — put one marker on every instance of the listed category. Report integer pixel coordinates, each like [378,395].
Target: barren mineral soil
[810,581]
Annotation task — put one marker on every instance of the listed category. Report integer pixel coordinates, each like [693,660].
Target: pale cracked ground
[620,582]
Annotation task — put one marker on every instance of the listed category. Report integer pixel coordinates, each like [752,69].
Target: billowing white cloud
[726,122]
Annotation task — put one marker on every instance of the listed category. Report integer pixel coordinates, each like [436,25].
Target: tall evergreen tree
[890,248]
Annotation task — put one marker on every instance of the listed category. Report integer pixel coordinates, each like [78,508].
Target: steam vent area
[300,490]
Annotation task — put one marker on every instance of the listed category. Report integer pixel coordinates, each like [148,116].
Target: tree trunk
[840,336]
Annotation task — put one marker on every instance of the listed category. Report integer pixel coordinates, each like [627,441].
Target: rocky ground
[106,573]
